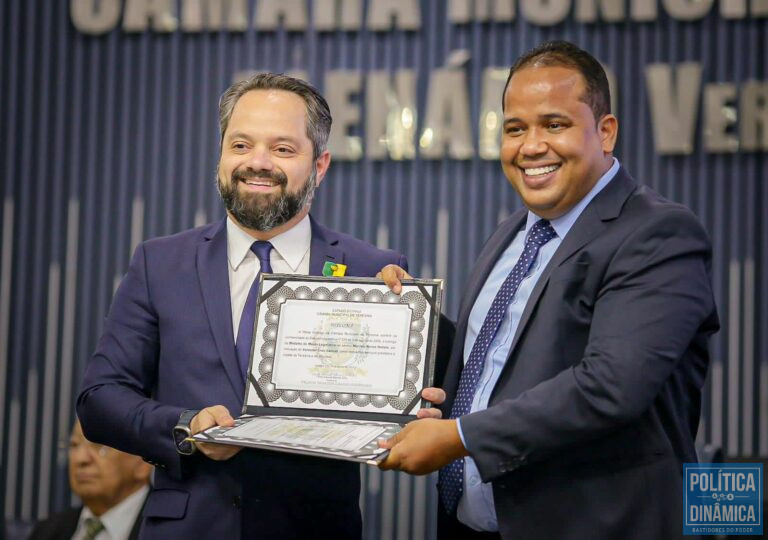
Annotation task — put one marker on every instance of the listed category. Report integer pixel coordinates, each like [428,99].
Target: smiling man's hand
[423,446]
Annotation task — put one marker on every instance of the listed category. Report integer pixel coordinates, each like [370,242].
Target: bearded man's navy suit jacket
[168,346]
[598,404]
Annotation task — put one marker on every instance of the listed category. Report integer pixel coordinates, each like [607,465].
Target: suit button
[237,502]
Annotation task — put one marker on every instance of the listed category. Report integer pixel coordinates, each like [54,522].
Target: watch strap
[182,430]
[185,418]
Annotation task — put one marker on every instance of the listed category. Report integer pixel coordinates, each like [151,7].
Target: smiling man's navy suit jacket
[598,404]
[168,346]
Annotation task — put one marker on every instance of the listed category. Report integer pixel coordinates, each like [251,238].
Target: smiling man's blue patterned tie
[450,481]
[245,329]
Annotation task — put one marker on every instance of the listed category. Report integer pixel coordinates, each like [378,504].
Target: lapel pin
[334,269]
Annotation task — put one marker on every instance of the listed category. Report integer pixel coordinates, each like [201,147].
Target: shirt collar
[564,223]
[119,520]
[291,245]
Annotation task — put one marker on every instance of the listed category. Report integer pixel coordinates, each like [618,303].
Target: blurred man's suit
[62,525]
[174,307]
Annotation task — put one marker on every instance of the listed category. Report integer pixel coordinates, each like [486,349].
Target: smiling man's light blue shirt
[476,508]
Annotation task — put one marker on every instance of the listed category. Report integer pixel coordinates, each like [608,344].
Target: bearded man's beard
[264,212]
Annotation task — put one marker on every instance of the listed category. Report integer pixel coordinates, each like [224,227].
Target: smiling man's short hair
[565,54]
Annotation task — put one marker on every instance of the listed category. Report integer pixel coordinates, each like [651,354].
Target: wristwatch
[181,432]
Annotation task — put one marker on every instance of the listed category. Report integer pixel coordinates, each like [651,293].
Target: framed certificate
[336,364]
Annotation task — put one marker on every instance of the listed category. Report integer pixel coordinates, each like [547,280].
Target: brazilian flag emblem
[334,269]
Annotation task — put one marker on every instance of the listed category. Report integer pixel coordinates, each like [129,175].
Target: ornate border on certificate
[280,294]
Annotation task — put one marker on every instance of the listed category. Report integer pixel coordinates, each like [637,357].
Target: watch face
[182,445]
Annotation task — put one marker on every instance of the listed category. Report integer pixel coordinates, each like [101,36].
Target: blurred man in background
[111,484]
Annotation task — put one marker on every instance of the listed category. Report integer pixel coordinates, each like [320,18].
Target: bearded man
[176,341]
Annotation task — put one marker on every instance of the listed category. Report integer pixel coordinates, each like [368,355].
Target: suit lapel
[605,207]
[324,247]
[496,245]
[490,253]
[214,283]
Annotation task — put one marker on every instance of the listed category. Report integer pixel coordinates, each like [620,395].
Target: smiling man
[174,353]
[574,384]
